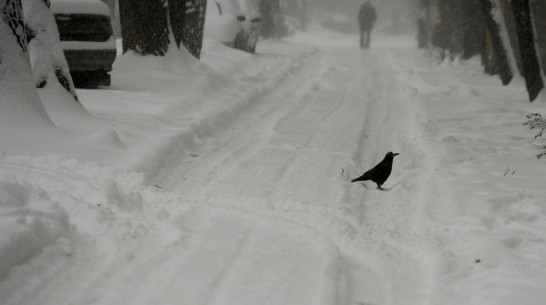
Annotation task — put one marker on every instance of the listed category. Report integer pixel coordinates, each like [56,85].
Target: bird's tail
[364,177]
[358,179]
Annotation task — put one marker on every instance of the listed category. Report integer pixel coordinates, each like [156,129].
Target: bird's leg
[379,187]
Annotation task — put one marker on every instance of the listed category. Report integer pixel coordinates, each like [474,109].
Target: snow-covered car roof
[94,7]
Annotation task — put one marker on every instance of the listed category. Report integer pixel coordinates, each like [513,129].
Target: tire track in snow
[247,135]
[390,222]
[222,123]
[264,168]
[211,173]
[248,169]
[219,283]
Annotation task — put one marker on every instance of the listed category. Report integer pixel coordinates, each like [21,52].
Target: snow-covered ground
[227,181]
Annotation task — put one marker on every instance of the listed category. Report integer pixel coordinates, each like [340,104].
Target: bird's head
[390,155]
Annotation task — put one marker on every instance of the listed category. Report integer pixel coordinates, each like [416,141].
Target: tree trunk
[144,26]
[46,55]
[498,53]
[526,41]
[510,24]
[19,95]
[187,22]
[472,23]
[538,11]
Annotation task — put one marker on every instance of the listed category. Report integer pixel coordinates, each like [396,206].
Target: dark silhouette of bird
[380,172]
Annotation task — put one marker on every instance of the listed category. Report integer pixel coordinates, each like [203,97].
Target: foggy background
[394,16]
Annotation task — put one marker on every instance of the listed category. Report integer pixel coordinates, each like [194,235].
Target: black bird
[380,172]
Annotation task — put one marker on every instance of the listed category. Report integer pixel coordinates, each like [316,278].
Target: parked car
[233,22]
[87,40]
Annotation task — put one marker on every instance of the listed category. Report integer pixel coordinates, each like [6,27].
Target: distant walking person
[366,19]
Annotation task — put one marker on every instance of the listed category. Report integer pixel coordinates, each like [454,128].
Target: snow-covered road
[290,159]
[236,190]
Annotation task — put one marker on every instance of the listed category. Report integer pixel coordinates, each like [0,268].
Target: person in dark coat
[366,19]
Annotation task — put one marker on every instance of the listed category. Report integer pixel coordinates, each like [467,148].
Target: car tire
[90,79]
[84,80]
[251,42]
[239,42]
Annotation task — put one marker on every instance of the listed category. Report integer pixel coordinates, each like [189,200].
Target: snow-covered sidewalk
[227,182]
[487,204]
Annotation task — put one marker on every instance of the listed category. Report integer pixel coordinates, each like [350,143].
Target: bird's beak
[395,154]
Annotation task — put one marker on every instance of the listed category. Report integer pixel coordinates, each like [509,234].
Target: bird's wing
[367,175]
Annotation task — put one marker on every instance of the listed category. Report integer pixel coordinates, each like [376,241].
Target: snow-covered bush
[535,121]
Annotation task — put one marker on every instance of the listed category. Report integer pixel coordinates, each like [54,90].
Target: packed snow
[227,181]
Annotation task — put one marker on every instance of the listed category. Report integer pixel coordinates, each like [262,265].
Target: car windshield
[80,27]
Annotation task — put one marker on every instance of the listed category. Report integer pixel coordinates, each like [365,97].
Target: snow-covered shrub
[535,121]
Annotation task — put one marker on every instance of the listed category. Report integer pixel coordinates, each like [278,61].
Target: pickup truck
[87,40]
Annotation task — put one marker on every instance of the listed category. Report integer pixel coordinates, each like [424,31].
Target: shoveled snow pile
[227,181]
